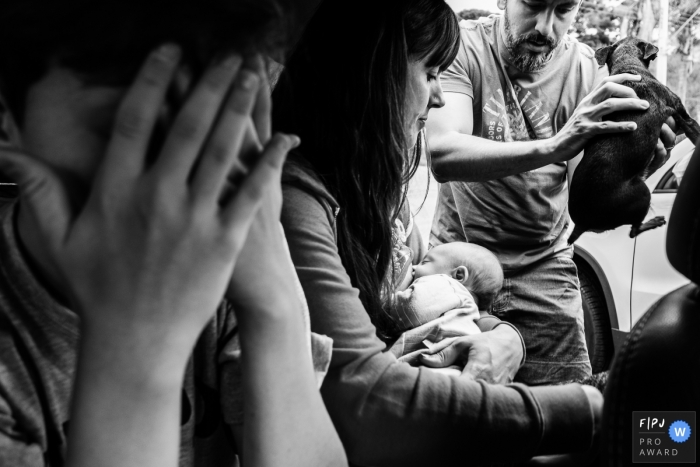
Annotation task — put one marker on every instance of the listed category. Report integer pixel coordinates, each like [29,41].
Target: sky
[459,5]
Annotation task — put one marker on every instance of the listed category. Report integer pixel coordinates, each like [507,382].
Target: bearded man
[522,99]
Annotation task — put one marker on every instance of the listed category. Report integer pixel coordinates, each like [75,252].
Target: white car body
[633,273]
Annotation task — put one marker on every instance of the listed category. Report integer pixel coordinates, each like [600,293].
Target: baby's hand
[149,256]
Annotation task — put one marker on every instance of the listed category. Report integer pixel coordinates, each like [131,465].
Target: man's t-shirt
[523,217]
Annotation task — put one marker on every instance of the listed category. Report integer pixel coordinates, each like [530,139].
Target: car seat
[658,367]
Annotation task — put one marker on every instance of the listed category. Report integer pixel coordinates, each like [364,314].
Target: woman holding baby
[359,106]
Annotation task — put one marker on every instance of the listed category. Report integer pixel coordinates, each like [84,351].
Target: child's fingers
[263,103]
[239,213]
[186,139]
[137,116]
[227,138]
[41,192]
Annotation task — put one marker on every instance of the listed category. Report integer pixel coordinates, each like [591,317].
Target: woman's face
[423,93]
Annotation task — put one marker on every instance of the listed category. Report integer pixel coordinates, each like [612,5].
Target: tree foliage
[474,13]
[595,24]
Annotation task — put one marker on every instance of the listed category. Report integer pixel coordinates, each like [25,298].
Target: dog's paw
[653,223]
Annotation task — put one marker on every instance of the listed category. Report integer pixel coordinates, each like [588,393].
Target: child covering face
[449,287]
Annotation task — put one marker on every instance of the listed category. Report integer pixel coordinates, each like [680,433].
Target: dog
[607,189]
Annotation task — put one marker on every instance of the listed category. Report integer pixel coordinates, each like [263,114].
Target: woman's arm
[388,413]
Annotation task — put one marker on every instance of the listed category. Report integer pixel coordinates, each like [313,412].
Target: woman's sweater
[389,413]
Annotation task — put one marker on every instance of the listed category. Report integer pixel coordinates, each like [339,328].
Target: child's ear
[460,274]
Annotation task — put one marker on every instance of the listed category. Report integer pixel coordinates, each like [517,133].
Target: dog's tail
[575,234]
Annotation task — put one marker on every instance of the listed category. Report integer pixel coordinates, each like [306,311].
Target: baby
[442,298]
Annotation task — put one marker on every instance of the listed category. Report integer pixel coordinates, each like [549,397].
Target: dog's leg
[690,127]
[657,221]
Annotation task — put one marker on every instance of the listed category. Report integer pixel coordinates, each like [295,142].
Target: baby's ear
[460,274]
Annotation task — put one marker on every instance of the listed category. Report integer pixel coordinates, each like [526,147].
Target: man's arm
[457,155]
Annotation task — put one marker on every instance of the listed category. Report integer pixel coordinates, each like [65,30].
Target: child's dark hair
[107,40]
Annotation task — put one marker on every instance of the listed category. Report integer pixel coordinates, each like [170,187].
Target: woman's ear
[501,4]
[460,274]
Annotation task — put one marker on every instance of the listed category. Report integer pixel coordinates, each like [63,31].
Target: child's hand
[264,274]
[149,256]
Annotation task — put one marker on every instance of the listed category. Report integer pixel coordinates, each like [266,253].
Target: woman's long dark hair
[343,92]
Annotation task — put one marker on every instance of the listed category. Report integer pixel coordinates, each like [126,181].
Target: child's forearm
[126,402]
[285,420]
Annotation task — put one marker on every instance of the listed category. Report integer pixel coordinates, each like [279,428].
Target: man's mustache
[536,38]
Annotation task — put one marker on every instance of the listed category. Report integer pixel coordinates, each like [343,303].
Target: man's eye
[564,10]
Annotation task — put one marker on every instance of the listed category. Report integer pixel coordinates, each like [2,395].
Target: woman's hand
[493,356]
[586,122]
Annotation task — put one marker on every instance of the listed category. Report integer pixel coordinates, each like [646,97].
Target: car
[621,277]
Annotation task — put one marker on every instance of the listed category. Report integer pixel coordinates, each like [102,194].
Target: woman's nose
[437,98]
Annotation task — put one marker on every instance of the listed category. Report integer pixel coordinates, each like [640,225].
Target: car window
[668,183]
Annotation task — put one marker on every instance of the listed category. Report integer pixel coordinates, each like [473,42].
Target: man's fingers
[616,104]
[240,211]
[621,78]
[613,89]
[671,124]
[612,127]
[193,125]
[41,192]
[227,139]
[668,135]
[137,115]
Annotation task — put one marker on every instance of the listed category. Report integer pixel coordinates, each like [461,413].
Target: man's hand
[666,142]
[493,356]
[610,96]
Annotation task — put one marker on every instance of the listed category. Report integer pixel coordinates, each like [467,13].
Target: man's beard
[523,59]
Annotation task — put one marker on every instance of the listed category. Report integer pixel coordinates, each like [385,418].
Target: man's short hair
[106,41]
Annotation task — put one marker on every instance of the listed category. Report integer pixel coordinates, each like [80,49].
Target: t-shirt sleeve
[389,413]
[456,77]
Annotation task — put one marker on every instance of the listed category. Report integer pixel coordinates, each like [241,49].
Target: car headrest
[683,237]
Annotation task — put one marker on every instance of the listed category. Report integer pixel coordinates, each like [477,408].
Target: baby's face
[437,261]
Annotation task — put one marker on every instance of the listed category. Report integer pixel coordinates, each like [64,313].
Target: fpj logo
[663,437]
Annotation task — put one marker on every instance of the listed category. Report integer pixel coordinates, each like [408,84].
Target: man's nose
[545,22]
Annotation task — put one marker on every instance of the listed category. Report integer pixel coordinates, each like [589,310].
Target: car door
[652,274]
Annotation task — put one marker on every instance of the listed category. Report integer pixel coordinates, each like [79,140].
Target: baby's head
[473,266]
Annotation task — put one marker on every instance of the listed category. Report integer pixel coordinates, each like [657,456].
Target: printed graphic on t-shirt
[504,116]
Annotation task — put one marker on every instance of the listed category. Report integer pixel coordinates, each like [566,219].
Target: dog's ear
[601,55]
[649,50]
